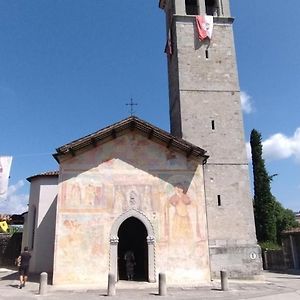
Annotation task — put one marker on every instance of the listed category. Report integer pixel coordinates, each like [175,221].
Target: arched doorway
[150,240]
[132,236]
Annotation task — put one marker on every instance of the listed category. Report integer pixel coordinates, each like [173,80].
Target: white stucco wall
[41,223]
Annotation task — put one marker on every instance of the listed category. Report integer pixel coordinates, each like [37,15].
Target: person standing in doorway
[23,263]
[130,263]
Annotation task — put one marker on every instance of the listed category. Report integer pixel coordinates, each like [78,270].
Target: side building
[39,222]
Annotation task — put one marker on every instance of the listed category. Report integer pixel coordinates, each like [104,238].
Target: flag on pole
[204,25]
[5,164]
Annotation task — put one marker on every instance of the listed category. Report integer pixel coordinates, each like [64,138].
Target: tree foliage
[264,206]
[285,219]
[271,218]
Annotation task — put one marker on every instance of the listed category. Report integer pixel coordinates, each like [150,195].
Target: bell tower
[205,109]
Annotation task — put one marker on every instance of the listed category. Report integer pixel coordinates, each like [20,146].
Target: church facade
[131,186]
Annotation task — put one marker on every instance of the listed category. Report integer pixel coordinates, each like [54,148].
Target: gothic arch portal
[114,240]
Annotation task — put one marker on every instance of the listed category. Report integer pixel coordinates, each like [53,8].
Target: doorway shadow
[133,251]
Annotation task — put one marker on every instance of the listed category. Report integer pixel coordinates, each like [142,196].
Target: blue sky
[68,67]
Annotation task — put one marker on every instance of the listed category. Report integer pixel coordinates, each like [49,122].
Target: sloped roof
[291,231]
[45,174]
[131,123]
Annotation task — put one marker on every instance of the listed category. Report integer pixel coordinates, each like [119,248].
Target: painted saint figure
[130,264]
[181,223]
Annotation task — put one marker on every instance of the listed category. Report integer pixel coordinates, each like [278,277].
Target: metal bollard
[43,283]
[162,285]
[111,289]
[224,281]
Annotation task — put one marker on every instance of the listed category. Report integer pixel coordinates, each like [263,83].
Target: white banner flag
[5,164]
[204,25]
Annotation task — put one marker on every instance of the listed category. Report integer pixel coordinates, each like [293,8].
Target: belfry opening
[211,7]
[191,7]
[133,251]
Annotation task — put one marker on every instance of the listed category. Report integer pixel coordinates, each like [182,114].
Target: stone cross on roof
[131,104]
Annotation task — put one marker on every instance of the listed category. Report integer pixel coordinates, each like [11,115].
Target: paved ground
[275,286]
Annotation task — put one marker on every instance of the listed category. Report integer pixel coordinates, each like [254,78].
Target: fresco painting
[181,228]
[184,208]
[158,158]
[137,196]
[81,241]
[170,195]
[83,192]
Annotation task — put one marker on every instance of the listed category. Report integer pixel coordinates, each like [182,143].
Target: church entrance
[133,251]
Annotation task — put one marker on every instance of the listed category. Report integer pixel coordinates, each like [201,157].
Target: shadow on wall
[137,152]
[44,241]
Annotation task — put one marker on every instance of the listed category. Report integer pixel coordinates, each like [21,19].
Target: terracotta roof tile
[45,174]
[131,123]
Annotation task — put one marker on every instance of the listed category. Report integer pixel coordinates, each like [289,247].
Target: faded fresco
[80,246]
[130,172]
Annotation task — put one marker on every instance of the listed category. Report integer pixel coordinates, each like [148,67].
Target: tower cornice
[217,19]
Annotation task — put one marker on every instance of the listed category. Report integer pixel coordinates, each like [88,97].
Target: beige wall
[130,172]
[40,223]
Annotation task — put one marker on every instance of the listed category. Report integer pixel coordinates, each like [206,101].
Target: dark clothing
[24,263]
[130,263]
[23,271]
[25,258]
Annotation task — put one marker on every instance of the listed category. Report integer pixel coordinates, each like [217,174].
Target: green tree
[285,219]
[264,205]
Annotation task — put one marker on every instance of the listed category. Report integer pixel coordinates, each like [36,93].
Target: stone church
[179,201]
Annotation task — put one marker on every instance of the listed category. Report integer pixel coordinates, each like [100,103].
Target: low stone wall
[287,252]
[273,260]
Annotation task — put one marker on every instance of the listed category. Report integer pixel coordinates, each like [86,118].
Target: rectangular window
[206,54]
[213,124]
[219,200]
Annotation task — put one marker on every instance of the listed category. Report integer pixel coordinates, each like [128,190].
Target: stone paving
[277,286]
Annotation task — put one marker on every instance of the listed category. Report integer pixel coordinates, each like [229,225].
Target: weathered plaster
[130,176]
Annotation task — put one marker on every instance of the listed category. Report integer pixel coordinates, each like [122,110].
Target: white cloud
[279,146]
[247,105]
[16,202]
[248,149]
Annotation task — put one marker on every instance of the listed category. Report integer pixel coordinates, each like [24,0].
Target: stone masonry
[205,109]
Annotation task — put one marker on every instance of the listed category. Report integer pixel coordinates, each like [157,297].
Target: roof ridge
[130,123]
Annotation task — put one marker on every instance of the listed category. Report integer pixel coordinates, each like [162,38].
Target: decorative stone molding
[114,240]
[150,239]
[132,212]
